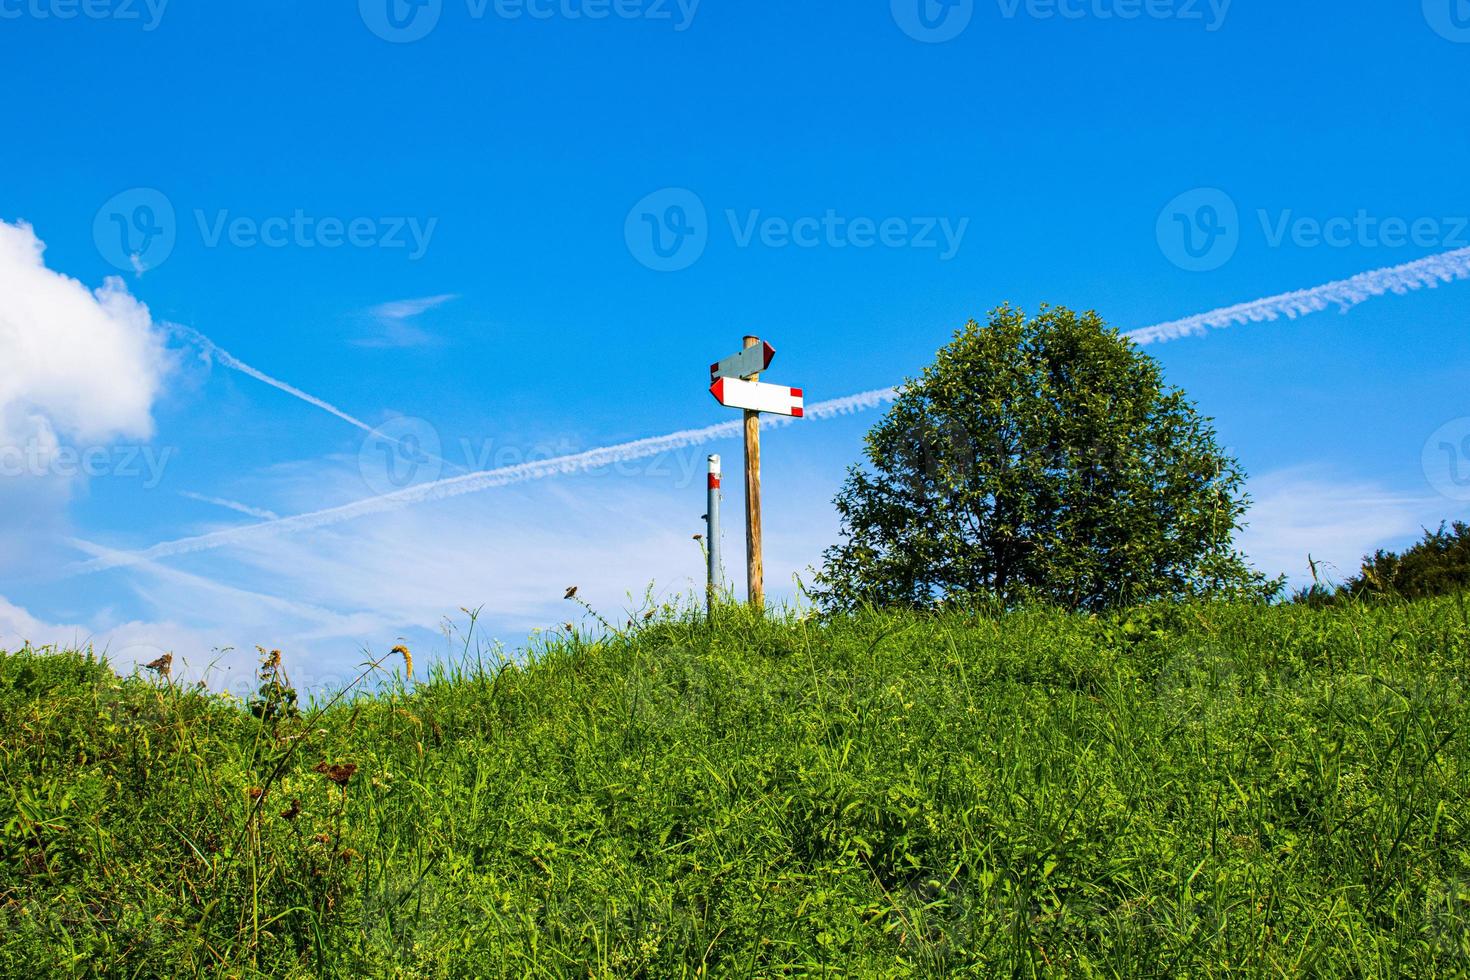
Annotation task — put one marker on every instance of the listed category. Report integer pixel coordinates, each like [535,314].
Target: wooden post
[755,571]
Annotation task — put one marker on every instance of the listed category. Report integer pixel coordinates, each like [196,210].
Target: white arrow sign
[757,396]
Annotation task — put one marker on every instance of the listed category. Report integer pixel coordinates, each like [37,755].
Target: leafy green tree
[1043,460]
[1438,565]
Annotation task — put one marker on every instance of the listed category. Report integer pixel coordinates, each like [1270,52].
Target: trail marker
[712,527]
[748,362]
[736,384]
[758,397]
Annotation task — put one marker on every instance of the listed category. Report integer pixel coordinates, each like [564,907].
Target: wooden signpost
[735,383]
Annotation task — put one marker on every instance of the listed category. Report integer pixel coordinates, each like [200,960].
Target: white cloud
[79,365]
[609,535]
[327,594]
[404,308]
[126,645]
[1305,511]
[78,370]
[392,328]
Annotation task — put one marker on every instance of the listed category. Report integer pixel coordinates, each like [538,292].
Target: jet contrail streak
[456,486]
[1347,293]
[235,505]
[234,363]
[324,619]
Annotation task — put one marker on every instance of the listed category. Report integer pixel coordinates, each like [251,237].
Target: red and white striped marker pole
[712,526]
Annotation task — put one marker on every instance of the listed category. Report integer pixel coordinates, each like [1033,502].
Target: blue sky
[455,228]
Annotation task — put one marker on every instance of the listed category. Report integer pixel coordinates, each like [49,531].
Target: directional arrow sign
[752,360]
[756,396]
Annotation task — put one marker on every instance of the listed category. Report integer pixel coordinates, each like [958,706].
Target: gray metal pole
[712,518]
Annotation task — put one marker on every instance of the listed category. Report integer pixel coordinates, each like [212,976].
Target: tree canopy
[1039,459]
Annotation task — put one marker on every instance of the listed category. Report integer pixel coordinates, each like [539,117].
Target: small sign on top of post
[735,383]
[744,364]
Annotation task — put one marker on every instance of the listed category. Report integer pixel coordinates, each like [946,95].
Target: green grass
[1190,791]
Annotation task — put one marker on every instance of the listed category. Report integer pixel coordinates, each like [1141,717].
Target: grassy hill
[1187,791]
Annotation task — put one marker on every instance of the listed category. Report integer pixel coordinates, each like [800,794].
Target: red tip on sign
[798,413]
[796,393]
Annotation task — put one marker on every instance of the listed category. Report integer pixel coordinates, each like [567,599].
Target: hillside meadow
[1203,790]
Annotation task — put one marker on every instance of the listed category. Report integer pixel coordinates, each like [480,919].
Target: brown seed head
[341,773]
[407,658]
[163,665]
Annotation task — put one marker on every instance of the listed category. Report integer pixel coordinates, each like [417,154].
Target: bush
[1438,565]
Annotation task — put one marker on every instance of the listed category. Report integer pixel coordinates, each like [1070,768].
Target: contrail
[234,363]
[1346,293]
[1449,267]
[474,482]
[325,620]
[235,505]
